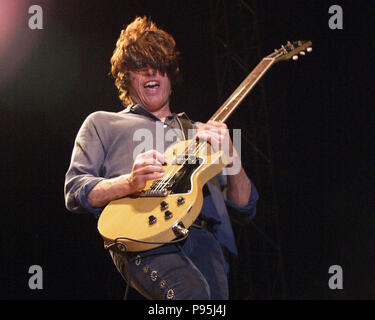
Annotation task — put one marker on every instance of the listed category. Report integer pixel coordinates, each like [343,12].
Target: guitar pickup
[181,159]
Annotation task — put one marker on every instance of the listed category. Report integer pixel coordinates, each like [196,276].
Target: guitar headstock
[291,50]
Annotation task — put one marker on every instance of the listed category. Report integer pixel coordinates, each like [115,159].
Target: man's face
[150,88]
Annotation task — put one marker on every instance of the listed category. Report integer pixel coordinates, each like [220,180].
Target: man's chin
[154,106]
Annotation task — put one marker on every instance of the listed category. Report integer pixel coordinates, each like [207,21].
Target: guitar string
[198,148]
[160,183]
[163,185]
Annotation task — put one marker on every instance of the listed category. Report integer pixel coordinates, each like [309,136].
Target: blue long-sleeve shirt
[106,146]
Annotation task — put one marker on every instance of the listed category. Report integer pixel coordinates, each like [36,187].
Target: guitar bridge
[153,193]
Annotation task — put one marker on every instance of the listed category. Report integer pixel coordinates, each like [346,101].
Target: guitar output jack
[180,230]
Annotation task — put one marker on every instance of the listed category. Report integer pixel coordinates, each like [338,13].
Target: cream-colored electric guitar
[167,207]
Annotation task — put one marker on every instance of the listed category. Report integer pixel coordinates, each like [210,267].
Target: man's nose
[151,71]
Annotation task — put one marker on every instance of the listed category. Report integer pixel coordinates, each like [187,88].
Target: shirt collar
[138,109]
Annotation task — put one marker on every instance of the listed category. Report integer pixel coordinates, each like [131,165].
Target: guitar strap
[185,124]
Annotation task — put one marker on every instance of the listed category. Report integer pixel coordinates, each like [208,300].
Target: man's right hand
[147,166]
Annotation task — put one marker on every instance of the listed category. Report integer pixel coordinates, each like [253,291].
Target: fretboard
[243,89]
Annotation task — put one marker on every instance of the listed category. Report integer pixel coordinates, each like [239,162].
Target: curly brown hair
[142,44]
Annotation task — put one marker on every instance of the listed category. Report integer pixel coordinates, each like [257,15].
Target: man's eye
[142,71]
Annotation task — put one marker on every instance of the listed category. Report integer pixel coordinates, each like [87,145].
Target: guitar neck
[243,89]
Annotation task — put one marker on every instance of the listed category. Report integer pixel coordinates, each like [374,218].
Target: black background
[320,119]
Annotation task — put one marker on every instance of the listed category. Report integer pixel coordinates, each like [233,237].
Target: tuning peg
[309,49]
[295,57]
[302,53]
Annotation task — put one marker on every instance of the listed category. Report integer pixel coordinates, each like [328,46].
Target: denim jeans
[194,269]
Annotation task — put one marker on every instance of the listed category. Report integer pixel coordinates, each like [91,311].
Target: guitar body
[151,215]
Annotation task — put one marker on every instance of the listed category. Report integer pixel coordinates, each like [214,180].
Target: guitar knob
[168,214]
[302,53]
[295,57]
[163,205]
[180,201]
[309,49]
[151,220]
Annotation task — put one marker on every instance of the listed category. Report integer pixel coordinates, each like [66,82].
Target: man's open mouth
[151,84]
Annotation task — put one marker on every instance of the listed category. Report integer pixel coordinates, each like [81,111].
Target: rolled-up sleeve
[249,210]
[84,169]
